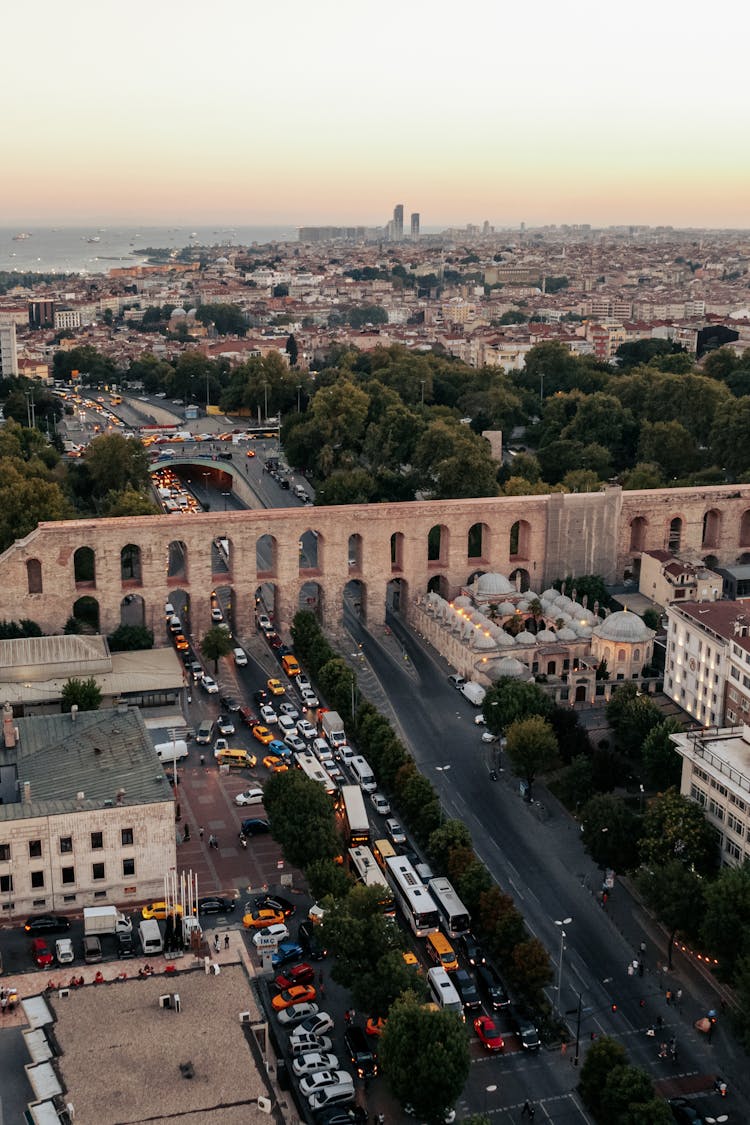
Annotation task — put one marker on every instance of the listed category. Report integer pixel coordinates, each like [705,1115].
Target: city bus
[412,896]
[383,850]
[356,826]
[453,914]
[116,400]
[362,864]
[312,768]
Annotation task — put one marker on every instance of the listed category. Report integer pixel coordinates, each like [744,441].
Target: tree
[217,643]
[674,827]
[610,832]
[425,1057]
[601,1059]
[662,763]
[129,502]
[28,499]
[500,923]
[726,921]
[450,836]
[632,716]
[670,446]
[83,694]
[529,969]
[302,818]
[675,894]
[509,700]
[326,877]
[114,463]
[130,638]
[627,1090]
[531,748]
[292,350]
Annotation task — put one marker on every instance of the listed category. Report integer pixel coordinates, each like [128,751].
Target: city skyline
[330,114]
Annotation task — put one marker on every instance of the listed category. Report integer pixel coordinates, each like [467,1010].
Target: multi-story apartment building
[666,578]
[8,350]
[67,318]
[707,670]
[716,775]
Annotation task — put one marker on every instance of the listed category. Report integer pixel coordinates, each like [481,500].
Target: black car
[472,950]
[261,697]
[342,1115]
[528,1033]
[466,989]
[215,904]
[363,1058]
[275,902]
[310,942]
[125,947]
[230,703]
[46,924]
[492,987]
[255,826]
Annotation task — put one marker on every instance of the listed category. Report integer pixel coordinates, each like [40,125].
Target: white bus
[362,863]
[312,768]
[356,826]
[453,914]
[443,992]
[412,896]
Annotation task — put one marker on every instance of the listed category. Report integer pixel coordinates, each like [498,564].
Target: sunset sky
[244,111]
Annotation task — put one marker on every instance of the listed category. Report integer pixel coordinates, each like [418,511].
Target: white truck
[105,920]
[333,728]
[475,693]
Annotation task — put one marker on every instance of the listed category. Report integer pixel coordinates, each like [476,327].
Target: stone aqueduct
[542,537]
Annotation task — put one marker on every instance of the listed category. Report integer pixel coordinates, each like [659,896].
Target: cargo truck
[105,920]
[475,693]
[333,728]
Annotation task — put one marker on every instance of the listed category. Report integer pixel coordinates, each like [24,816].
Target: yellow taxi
[263,734]
[257,919]
[277,765]
[276,687]
[181,643]
[158,910]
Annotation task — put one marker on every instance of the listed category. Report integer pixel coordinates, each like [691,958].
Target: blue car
[287,951]
[279,748]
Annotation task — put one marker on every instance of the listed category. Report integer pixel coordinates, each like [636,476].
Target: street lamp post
[562,923]
[226,496]
[442,770]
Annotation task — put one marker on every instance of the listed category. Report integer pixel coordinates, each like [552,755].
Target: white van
[443,992]
[169,751]
[363,775]
[240,657]
[150,936]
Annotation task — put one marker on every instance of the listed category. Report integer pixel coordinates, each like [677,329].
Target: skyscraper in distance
[415,225]
[398,222]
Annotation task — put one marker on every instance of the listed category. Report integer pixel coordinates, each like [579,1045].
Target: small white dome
[552,595]
[626,627]
[508,666]
[482,642]
[463,602]
[566,634]
[492,585]
[525,638]
[178,312]
[503,639]
[546,636]
[506,608]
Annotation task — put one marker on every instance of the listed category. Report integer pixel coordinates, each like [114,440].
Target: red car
[40,952]
[489,1036]
[248,716]
[296,974]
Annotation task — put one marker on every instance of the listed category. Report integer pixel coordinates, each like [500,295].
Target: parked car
[40,952]
[46,924]
[158,910]
[320,1078]
[278,931]
[255,826]
[342,1115]
[249,797]
[92,949]
[304,1042]
[303,973]
[317,1023]
[64,951]
[312,1061]
[290,1017]
[253,919]
[294,996]
[216,904]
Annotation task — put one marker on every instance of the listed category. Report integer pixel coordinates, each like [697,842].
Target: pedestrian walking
[226,940]
[563,1048]
[643,948]
[216,943]
[347,1017]
[678,997]
[528,1110]
[200,831]
[203,759]
[668,996]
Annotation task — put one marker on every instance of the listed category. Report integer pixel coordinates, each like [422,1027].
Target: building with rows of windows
[716,775]
[86,812]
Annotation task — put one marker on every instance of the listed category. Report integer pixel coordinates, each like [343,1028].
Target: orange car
[276,765]
[257,919]
[180,642]
[297,994]
[375,1026]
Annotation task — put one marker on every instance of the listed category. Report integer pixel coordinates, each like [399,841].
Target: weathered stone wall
[559,534]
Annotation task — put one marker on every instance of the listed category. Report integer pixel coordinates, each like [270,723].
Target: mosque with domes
[493,629]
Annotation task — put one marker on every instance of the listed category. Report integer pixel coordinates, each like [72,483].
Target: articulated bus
[412,896]
[453,914]
[362,864]
[312,768]
[383,850]
[356,826]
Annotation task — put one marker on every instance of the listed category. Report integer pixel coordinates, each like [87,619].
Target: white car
[209,684]
[268,715]
[287,725]
[314,1061]
[306,729]
[240,657]
[395,832]
[293,739]
[249,797]
[278,931]
[309,698]
[264,622]
[290,710]
[334,772]
[345,753]
[225,724]
[290,1017]
[480,720]
[302,682]
[488,736]
[316,1081]
[220,745]
[64,953]
[216,614]
[380,804]
[322,750]
[305,1043]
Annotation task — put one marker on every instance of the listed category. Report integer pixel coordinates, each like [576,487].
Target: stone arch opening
[311,598]
[478,542]
[132,610]
[222,605]
[745,529]
[84,567]
[354,549]
[266,556]
[523,575]
[674,539]
[265,599]
[711,528]
[397,594]
[580,693]
[744,559]
[638,528]
[438,544]
[438,584]
[710,561]
[355,597]
[551,668]
[34,576]
[221,557]
[180,599]
[177,561]
[86,611]
[310,552]
[520,539]
[397,551]
[130,564]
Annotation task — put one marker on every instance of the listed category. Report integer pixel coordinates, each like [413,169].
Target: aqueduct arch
[391,549]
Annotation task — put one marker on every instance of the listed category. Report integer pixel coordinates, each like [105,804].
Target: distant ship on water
[21,236]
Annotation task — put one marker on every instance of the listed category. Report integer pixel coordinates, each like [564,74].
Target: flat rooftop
[121,1052]
[727,750]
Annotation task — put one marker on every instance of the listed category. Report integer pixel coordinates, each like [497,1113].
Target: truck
[150,937]
[105,920]
[169,751]
[332,726]
[475,693]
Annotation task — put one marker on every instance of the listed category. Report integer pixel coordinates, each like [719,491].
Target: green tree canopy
[425,1057]
[675,894]
[83,694]
[662,763]
[726,921]
[509,700]
[602,1058]
[302,818]
[216,643]
[674,827]
[114,463]
[130,638]
[531,748]
[610,832]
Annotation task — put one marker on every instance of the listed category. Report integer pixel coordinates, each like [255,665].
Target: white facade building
[716,775]
[8,350]
[701,641]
